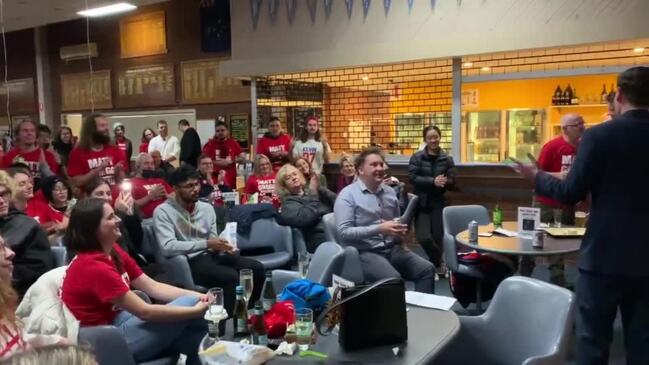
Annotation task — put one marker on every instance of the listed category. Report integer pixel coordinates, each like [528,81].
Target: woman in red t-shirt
[262,182]
[97,290]
[51,212]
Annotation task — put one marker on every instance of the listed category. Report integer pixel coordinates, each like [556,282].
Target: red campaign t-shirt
[123,146]
[81,161]
[43,213]
[263,185]
[144,147]
[141,188]
[31,159]
[267,146]
[227,148]
[90,300]
[555,155]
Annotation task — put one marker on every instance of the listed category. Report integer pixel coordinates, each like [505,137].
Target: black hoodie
[29,241]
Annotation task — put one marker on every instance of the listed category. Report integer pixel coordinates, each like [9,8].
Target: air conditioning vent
[78,52]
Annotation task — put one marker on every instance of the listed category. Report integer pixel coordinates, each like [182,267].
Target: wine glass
[246,281]
[215,313]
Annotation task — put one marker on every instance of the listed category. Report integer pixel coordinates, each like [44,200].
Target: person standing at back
[190,144]
[166,144]
[225,152]
[124,144]
[311,146]
[29,152]
[275,144]
[611,164]
[95,156]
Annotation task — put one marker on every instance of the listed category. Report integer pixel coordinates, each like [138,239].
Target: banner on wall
[254,12]
[366,7]
[312,5]
[290,10]
[350,6]
[272,10]
[327,7]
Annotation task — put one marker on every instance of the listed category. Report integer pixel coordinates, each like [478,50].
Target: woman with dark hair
[313,179]
[149,329]
[311,146]
[147,136]
[431,171]
[52,214]
[63,144]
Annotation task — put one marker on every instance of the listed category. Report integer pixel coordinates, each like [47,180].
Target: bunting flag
[312,5]
[410,2]
[366,7]
[272,10]
[290,10]
[327,7]
[386,6]
[254,9]
[350,6]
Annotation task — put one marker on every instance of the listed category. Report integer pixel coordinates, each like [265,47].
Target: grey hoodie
[180,232]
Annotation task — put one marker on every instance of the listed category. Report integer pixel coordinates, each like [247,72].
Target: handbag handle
[323,315]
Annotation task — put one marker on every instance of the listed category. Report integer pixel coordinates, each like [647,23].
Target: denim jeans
[150,340]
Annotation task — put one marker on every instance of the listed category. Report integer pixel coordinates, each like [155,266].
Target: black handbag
[371,315]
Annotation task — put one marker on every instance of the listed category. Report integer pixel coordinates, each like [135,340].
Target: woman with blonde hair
[262,182]
[313,179]
[347,172]
[302,207]
[53,355]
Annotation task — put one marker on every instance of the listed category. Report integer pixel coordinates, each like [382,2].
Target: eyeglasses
[5,195]
[60,190]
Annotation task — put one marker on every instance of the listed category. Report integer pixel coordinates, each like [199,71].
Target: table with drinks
[429,330]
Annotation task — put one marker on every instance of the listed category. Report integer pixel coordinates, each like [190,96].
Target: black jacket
[612,164]
[29,241]
[190,147]
[305,213]
[422,170]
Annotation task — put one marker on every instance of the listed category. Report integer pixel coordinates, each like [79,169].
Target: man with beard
[275,144]
[148,189]
[184,225]
[365,212]
[225,152]
[94,155]
[27,151]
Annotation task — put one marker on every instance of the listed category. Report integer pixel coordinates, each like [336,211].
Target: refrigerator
[483,136]
[524,132]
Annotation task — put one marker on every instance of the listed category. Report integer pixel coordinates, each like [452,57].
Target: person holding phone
[431,171]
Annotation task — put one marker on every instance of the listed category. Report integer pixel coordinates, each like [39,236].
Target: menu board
[82,91]
[21,96]
[240,129]
[143,35]
[202,83]
[146,86]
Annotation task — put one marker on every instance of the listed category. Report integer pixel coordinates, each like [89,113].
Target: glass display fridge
[483,136]
[524,132]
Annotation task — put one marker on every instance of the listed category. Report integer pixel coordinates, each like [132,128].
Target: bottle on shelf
[575,98]
[259,332]
[268,296]
[240,316]
[556,97]
[603,95]
[567,95]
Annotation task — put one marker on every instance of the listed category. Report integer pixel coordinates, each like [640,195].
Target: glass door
[483,136]
[525,132]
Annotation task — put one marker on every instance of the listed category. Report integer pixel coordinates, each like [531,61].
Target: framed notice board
[240,129]
[141,86]
[80,91]
[202,84]
[21,96]
[143,35]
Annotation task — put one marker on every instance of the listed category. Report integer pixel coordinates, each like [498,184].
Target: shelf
[486,139]
[579,106]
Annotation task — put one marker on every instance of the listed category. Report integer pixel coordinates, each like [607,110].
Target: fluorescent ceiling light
[638,49]
[486,68]
[468,64]
[107,10]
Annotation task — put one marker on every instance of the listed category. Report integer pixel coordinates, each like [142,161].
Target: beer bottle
[259,332]
[497,217]
[268,296]
[240,317]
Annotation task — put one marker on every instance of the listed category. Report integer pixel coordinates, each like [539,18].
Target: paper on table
[506,232]
[429,300]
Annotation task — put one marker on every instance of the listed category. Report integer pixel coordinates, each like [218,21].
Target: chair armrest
[298,241]
[286,243]
[281,278]
[180,271]
[553,359]
[108,345]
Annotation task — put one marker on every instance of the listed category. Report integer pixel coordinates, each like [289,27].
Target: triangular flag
[386,6]
[272,10]
[290,10]
[313,8]
[350,6]
[254,9]
[366,7]
[410,2]
[327,6]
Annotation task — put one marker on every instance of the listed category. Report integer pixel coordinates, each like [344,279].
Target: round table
[520,246]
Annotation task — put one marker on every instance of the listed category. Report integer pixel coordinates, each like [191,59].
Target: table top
[429,330]
[521,246]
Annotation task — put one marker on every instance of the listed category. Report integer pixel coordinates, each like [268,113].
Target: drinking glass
[303,263]
[246,281]
[215,313]
[558,215]
[303,327]
[580,219]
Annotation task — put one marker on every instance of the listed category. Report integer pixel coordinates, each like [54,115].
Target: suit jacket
[612,164]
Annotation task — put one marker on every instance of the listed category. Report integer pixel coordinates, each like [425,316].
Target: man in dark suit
[613,165]
[190,144]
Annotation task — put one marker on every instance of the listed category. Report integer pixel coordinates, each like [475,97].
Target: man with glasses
[186,226]
[556,159]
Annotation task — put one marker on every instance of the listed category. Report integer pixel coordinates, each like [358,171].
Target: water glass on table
[303,263]
[215,312]
[558,217]
[246,281]
[303,327]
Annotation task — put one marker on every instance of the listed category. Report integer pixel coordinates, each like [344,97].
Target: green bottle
[497,217]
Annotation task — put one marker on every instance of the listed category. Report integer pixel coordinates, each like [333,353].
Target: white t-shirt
[167,148]
[312,151]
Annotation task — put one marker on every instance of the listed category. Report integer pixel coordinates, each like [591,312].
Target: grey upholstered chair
[326,260]
[529,322]
[267,233]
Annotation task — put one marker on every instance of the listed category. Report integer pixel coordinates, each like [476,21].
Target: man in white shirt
[166,144]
